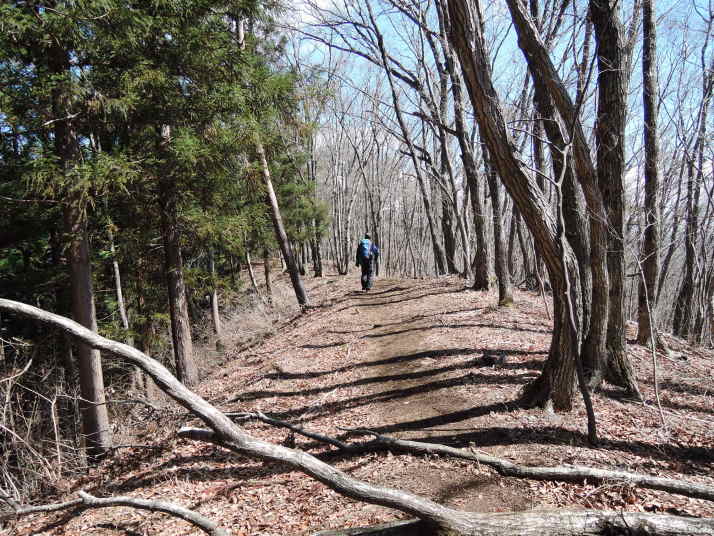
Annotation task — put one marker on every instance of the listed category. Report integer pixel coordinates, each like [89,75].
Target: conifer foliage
[129,165]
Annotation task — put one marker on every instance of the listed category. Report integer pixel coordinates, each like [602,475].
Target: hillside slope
[413,359]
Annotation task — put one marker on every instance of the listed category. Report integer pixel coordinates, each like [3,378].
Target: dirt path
[421,388]
[414,359]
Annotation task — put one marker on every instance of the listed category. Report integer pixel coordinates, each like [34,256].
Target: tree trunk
[480,267]
[280,235]
[215,315]
[95,418]
[505,292]
[681,321]
[683,318]
[512,237]
[266,275]
[178,304]
[555,385]
[186,369]
[251,272]
[482,258]
[317,257]
[523,244]
[610,140]
[447,229]
[137,378]
[647,295]
[121,305]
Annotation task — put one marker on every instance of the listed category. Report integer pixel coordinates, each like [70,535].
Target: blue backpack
[365,249]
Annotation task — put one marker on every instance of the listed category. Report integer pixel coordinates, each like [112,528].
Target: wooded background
[152,156]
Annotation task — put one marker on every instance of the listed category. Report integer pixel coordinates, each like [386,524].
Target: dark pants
[367,271]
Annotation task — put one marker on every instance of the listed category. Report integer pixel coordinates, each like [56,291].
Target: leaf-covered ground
[412,359]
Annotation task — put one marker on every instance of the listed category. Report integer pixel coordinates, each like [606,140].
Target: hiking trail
[414,359]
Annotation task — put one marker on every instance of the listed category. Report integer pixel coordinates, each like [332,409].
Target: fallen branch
[569,473]
[227,434]
[559,523]
[19,510]
[240,441]
[87,501]
[200,521]
[259,416]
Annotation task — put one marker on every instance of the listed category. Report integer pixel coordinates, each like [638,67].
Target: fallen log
[440,519]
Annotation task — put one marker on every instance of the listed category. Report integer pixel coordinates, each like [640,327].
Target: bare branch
[87,501]
[203,523]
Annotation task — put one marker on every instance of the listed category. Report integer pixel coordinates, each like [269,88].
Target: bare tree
[651,238]
[280,234]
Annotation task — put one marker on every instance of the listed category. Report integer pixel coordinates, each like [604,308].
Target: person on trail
[367,253]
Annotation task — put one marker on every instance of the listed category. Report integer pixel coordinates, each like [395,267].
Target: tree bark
[186,369]
[480,267]
[683,313]
[280,234]
[251,272]
[647,295]
[95,418]
[215,314]
[555,385]
[610,140]
[590,248]
[505,288]
[447,230]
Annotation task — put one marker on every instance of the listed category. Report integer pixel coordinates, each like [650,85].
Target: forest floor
[415,359]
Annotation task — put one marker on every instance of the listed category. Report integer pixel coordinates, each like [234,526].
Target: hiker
[367,253]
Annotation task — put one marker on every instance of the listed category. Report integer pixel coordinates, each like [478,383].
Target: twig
[282,424]
[25,369]
[15,200]
[153,447]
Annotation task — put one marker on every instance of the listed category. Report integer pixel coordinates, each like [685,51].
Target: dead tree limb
[585,523]
[260,416]
[87,501]
[563,473]
[443,520]
[200,521]
[19,510]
